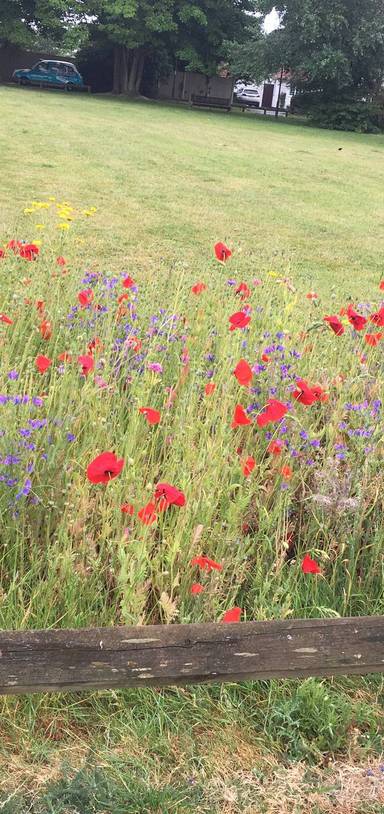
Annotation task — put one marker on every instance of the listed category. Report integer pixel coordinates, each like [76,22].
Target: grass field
[144,191]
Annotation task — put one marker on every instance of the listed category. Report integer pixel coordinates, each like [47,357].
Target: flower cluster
[278,420]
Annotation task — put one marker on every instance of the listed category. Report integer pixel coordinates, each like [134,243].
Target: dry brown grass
[237,776]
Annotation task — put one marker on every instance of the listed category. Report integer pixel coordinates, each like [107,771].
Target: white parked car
[248,94]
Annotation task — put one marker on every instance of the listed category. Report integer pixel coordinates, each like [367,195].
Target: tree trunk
[120,69]
[139,75]
[116,68]
[133,72]
[124,70]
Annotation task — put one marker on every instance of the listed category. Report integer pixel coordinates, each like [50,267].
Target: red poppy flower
[373,339]
[2,253]
[243,290]
[311,296]
[222,252]
[85,297]
[61,261]
[310,566]
[152,416]
[45,329]
[304,394]
[147,514]
[128,282]
[95,344]
[5,319]
[196,588]
[265,358]
[123,297]
[243,373]
[240,418]
[286,472]
[42,363]
[335,324]
[168,495]
[134,343]
[232,615]
[378,318]
[127,508]
[248,466]
[40,306]
[319,393]
[381,285]
[104,468]
[274,411]
[210,388]
[65,357]
[275,447]
[239,320]
[356,320]
[198,288]
[28,251]
[206,564]
[87,363]
[14,245]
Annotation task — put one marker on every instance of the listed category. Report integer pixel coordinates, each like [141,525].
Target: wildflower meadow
[191,430]
[209,451]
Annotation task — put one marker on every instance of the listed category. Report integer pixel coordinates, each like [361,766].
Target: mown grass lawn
[145,190]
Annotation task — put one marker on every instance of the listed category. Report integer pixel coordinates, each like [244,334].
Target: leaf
[196,536]
[169,607]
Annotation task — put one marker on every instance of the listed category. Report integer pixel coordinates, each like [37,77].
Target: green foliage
[97,791]
[42,24]
[331,46]
[362,117]
[247,57]
[312,720]
[16,22]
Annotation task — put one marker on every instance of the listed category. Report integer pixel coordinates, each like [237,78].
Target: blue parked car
[51,73]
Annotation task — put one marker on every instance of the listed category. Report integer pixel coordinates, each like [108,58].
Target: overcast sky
[271,21]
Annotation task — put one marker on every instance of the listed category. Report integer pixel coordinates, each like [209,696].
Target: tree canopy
[335,47]
[186,33]
[189,33]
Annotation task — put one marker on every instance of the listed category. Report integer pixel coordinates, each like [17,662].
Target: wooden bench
[275,110]
[210,101]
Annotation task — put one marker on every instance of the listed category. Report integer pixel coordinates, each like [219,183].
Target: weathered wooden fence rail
[106,658]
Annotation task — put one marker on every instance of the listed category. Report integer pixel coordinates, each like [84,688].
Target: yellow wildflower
[28,211]
[39,225]
[62,225]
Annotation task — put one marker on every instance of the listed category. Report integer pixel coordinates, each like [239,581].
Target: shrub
[361,117]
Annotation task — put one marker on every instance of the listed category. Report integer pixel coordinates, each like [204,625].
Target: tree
[249,59]
[42,24]
[134,28]
[175,31]
[204,29]
[335,47]
[16,22]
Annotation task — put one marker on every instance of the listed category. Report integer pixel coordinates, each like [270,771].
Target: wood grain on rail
[107,658]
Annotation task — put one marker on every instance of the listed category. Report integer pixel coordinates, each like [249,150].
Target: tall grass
[70,556]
